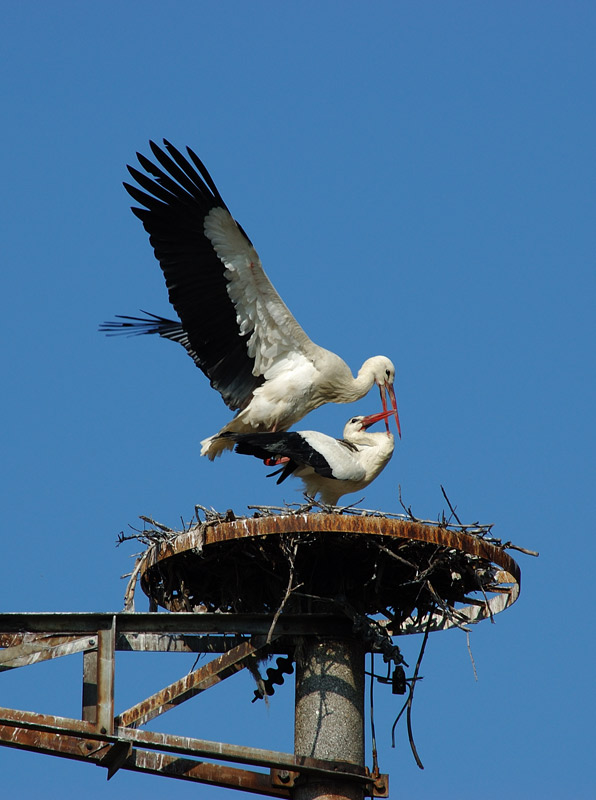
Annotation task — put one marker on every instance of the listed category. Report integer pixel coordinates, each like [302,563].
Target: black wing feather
[201,168]
[176,199]
[281,445]
[164,189]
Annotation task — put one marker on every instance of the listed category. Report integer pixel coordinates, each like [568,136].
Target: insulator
[398,681]
[378,638]
[275,677]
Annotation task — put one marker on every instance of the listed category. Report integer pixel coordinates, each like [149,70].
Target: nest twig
[231,577]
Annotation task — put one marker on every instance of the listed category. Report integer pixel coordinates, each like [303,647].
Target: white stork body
[328,467]
[233,323]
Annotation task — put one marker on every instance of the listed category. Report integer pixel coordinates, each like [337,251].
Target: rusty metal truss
[114,741]
[231,590]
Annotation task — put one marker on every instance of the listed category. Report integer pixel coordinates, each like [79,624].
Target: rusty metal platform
[366,565]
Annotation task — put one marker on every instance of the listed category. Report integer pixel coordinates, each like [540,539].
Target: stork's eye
[354,419]
[388,373]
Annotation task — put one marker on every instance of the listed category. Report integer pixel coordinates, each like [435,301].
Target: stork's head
[384,376]
[360,424]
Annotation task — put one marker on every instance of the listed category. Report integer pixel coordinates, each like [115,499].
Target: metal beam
[43,649]
[105,679]
[60,727]
[89,699]
[182,622]
[122,756]
[176,643]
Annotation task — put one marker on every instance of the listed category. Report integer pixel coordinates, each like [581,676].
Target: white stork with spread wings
[328,467]
[233,323]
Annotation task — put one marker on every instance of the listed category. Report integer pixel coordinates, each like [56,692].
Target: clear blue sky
[419,181]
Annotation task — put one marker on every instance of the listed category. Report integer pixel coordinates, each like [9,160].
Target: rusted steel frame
[34,639]
[44,649]
[192,684]
[179,623]
[377,784]
[183,745]
[85,749]
[105,678]
[65,745]
[49,723]
[334,524]
[176,643]
[20,646]
[201,772]
[15,639]
[89,693]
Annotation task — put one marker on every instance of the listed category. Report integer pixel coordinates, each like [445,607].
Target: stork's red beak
[372,418]
[389,388]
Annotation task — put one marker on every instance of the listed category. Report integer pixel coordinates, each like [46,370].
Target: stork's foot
[273,462]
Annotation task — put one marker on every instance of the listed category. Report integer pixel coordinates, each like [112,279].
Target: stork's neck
[338,385]
[345,387]
[363,382]
[364,439]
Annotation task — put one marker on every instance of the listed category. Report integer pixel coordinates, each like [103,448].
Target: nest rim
[185,557]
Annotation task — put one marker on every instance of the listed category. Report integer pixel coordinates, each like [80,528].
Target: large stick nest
[205,568]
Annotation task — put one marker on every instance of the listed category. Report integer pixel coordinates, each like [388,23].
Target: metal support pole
[105,678]
[329,720]
[90,686]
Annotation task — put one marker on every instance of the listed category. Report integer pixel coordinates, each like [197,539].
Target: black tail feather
[135,326]
[266,445]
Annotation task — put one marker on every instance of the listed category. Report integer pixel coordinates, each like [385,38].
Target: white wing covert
[273,332]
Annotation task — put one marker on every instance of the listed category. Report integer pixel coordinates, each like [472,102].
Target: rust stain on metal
[381,786]
[46,723]
[213,774]
[28,648]
[42,742]
[283,777]
[42,649]
[121,755]
[89,693]
[377,786]
[105,679]
[18,724]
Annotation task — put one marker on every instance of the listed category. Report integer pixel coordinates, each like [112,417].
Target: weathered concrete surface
[329,720]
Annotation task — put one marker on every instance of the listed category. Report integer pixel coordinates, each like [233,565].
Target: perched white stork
[328,467]
[232,322]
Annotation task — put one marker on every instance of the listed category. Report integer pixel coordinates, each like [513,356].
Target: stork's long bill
[372,418]
[383,388]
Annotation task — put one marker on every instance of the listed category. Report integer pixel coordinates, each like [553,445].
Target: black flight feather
[290,445]
[175,196]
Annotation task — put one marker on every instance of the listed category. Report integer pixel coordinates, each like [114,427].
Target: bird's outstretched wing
[233,323]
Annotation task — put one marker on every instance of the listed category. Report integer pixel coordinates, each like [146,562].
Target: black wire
[372,716]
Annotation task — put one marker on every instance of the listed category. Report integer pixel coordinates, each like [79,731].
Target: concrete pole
[329,720]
